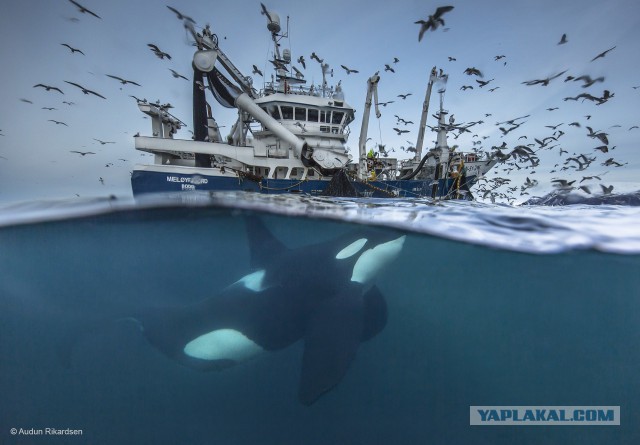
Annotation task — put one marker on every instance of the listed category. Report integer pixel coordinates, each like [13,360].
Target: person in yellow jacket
[371,156]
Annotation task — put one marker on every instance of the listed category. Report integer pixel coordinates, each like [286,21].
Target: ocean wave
[531,229]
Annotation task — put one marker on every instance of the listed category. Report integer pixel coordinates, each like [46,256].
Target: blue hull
[145,181]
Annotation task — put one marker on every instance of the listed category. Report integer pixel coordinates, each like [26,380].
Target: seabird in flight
[433,21]
[473,71]
[543,82]
[48,87]
[73,50]
[588,81]
[181,16]
[123,81]
[158,52]
[82,9]
[85,90]
[257,71]
[103,142]
[349,70]
[177,75]
[603,53]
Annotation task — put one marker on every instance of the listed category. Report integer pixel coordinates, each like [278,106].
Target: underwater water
[487,305]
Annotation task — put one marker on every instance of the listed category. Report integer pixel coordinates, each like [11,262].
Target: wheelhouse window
[274,111]
[325,116]
[337,117]
[348,119]
[287,112]
[312,115]
[301,114]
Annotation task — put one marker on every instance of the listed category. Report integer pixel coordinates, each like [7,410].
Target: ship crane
[238,92]
[423,118]
[209,51]
[300,146]
[372,91]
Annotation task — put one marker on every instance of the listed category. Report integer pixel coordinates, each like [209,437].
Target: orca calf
[323,294]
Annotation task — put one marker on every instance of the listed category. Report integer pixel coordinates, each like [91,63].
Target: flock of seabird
[525,156]
[521,156]
[88,91]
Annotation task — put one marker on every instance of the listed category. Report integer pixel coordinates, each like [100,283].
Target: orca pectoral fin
[375,313]
[330,344]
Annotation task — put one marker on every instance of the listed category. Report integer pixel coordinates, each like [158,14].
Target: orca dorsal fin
[263,245]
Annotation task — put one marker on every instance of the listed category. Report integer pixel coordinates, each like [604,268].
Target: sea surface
[487,305]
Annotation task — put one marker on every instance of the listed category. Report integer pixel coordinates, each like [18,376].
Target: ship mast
[372,90]
[423,119]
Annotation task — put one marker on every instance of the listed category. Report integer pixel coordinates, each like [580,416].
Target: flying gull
[85,90]
[158,52]
[73,50]
[603,53]
[257,71]
[103,142]
[123,81]
[543,82]
[177,75]
[48,87]
[82,9]
[588,81]
[433,21]
[181,16]
[349,70]
[473,71]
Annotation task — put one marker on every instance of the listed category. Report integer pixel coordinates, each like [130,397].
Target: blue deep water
[487,305]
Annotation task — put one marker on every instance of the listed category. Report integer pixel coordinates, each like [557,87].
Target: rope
[264,187]
[391,194]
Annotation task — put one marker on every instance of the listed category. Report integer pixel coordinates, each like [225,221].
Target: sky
[36,159]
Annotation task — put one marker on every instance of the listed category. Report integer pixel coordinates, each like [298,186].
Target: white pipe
[245,103]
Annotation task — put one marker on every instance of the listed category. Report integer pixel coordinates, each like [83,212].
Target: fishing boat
[290,137]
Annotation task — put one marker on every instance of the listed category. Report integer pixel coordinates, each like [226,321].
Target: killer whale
[323,294]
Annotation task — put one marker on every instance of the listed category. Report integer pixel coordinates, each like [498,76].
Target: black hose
[418,168]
